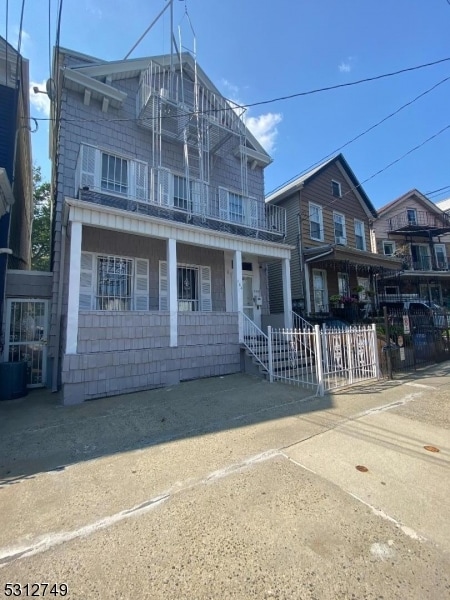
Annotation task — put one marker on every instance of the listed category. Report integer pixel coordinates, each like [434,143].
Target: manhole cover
[431,448]
[362,468]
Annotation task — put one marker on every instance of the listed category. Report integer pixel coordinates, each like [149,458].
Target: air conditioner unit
[342,241]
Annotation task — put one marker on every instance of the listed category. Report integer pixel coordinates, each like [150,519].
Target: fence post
[349,339]
[319,364]
[376,358]
[388,343]
[269,351]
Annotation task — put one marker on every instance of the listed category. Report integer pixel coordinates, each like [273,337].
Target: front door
[247,293]
[26,337]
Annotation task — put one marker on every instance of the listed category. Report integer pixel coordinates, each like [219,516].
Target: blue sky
[255,51]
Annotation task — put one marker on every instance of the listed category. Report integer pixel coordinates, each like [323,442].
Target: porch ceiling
[117,220]
[352,256]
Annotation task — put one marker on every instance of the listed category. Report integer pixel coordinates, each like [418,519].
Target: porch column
[172,291]
[307,290]
[238,300]
[74,288]
[287,293]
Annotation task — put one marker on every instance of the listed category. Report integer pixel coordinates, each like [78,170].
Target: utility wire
[329,155]
[278,99]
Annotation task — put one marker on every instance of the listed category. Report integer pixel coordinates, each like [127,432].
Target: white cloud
[264,128]
[26,41]
[345,67]
[40,101]
[93,10]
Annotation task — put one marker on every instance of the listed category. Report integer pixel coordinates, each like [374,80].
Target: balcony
[206,206]
[425,263]
[419,223]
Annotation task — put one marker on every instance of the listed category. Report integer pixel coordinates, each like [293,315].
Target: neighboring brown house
[329,220]
[418,232]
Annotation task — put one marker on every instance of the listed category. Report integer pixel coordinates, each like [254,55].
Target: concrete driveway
[231,488]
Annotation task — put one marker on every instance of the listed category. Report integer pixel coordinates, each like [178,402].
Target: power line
[330,154]
[265,102]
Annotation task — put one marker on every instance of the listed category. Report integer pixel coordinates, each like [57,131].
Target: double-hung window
[339,229]
[343,287]
[441,257]
[411,214]
[182,193]
[114,174]
[315,222]
[109,173]
[110,282]
[360,237]
[236,207]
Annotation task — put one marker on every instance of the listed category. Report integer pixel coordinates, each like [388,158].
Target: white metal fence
[323,359]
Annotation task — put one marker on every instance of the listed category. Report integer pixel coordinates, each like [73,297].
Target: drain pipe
[59,305]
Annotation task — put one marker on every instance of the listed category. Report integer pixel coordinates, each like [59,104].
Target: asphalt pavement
[231,488]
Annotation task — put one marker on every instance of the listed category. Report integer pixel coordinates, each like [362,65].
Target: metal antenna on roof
[155,20]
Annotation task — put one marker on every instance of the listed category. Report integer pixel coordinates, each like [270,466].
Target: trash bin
[13,380]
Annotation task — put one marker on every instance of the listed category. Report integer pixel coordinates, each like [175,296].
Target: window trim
[89,281]
[384,242]
[363,236]
[320,212]
[339,188]
[414,210]
[324,289]
[444,248]
[344,229]
[341,276]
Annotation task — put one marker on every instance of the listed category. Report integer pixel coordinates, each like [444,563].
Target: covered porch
[179,312]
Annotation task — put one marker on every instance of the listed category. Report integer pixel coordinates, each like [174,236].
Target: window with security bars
[188,289]
[114,283]
[236,207]
[114,174]
[181,197]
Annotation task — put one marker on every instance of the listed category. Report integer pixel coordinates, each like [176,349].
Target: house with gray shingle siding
[162,238]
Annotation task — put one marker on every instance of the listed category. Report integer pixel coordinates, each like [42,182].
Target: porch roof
[105,217]
[353,256]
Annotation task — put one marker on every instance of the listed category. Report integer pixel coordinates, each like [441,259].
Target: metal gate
[26,337]
[324,359]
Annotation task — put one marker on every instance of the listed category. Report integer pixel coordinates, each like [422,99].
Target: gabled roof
[92,69]
[412,193]
[294,184]
[444,204]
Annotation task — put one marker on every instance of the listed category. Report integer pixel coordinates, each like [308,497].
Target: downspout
[59,304]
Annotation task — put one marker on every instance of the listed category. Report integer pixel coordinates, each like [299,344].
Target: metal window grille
[114,283]
[114,174]
[181,197]
[188,289]
[236,207]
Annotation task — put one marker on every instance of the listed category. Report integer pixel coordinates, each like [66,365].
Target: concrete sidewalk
[199,492]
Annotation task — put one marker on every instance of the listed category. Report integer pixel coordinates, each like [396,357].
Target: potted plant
[335,300]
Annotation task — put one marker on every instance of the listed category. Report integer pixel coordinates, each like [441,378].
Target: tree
[40,235]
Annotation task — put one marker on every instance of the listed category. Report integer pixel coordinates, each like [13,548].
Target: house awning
[334,254]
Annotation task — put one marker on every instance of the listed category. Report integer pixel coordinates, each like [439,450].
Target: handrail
[256,341]
[298,322]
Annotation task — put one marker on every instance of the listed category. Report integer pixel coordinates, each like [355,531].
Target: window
[114,174]
[360,237]
[236,207]
[319,290]
[343,286]
[411,214]
[181,198]
[187,288]
[336,189]
[391,290]
[340,236]
[441,257]
[363,282]
[113,282]
[316,222]
[193,287]
[388,248]
[111,174]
